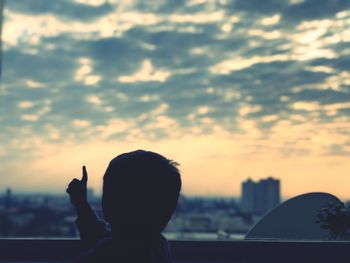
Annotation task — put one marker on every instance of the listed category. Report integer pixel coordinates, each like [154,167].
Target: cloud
[271,20]
[81,123]
[146,74]
[249,72]
[313,9]
[34,84]
[25,104]
[30,117]
[74,10]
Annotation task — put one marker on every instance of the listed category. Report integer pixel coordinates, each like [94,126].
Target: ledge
[257,251]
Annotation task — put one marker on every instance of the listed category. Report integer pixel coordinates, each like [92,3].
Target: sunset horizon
[229,89]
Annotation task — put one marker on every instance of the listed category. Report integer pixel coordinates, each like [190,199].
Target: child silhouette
[140,193]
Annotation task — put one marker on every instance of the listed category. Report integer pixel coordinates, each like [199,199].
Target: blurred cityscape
[202,218]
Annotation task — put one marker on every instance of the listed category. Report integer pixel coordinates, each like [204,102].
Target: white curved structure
[295,219]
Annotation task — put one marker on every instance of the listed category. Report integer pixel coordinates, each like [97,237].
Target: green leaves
[335,218]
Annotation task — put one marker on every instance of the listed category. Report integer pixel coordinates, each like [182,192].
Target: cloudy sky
[230,89]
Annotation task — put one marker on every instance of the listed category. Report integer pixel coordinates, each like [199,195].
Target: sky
[230,89]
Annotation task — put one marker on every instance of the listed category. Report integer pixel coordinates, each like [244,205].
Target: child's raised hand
[77,189]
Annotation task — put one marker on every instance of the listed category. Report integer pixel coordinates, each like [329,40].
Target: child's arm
[91,229]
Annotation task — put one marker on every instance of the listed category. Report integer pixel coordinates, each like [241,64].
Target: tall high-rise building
[260,197]
[248,196]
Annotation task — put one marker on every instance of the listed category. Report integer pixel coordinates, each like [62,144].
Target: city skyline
[230,89]
[259,197]
[97,193]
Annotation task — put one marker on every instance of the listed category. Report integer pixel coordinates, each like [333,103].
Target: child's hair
[140,191]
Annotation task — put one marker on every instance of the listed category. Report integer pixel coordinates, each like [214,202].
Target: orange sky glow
[226,89]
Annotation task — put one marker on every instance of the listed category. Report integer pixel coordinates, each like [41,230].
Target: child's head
[140,191]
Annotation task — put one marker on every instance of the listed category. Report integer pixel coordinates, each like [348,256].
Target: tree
[335,218]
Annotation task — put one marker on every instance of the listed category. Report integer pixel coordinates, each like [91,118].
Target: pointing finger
[84,179]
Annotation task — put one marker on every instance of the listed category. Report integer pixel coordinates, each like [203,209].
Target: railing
[65,250]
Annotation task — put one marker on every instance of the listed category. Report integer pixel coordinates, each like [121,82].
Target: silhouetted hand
[77,190]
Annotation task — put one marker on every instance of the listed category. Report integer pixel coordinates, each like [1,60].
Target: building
[248,196]
[260,197]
